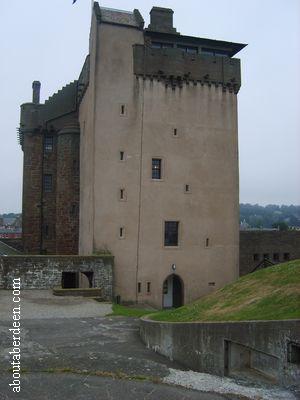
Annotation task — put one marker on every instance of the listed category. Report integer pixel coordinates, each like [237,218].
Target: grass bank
[269,294]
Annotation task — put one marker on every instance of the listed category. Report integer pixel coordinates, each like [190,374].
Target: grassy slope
[271,293]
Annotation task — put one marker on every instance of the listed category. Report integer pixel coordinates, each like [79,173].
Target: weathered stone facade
[144,95]
[49,136]
[260,248]
[45,272]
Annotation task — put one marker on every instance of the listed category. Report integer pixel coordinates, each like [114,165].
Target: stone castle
[139,157]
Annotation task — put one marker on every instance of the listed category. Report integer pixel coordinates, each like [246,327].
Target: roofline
[236,47]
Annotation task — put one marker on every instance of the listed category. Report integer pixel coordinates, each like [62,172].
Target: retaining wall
[269,349]
[45,272]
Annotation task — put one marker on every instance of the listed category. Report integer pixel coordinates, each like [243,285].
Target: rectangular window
[121,155]
[286,256]
[48,144]
[255,257]
[156,168]
[276,256]
[171,233]
[122,194]
[188,49]
[214,52]
[187,188]
[207,242]
[122,109]
[122,232]
[48,183]
[161,45]
[148,287]
[139,287]
[266,256]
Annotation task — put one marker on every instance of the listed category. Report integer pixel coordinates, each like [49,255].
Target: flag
[74,1]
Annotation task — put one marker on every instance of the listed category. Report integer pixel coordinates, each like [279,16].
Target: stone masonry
[45,272]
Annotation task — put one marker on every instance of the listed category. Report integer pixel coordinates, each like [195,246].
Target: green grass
[129,311]
[269,294]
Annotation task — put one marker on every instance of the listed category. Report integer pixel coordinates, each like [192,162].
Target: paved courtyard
[70,350]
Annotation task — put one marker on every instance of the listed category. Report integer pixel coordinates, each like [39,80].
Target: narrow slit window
[121,155]
[187,188]
[122,194]
[148,287]
[207,242]
[122,232]
[139,287]
[175,132]
[122,109]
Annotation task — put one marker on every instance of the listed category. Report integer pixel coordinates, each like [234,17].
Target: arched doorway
[172,292]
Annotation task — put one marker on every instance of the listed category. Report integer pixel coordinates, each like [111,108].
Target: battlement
[176,67]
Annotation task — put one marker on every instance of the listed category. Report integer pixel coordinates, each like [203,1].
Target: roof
[119,17]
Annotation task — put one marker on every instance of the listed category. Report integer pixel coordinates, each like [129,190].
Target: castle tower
[159,157]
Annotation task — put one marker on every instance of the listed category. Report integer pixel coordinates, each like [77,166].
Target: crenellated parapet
[175,68]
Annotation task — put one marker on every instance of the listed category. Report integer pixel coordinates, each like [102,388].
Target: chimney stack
[36,87]
[161,20]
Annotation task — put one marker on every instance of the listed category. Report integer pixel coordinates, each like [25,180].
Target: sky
[48,41]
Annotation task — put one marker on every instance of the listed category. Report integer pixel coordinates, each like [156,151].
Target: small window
[156,168]
[276,256]
[121,155]
[255,257]
[207,242]
[139,287]
[175,133]
[286,256]
[161,45]
[148,287]
[171,233]
[48,144]
[266,256]
[122,232]
[211,283]
[122,109]
[122,194]
[188,49]
[187,188]
[48,183]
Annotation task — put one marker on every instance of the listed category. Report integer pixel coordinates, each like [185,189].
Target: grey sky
[48,41]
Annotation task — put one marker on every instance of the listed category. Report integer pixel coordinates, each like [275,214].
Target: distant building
[151,129]
[262,248]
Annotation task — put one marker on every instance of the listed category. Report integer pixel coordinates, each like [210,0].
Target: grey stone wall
[229,348]
[45,272]
[267,243]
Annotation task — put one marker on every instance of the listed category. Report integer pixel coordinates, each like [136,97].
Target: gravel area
[41,304]
[212,383]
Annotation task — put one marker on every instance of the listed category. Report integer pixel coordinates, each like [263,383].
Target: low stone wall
[270,349]
[45,272]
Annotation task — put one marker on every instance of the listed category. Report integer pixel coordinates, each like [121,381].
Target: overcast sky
[47,40]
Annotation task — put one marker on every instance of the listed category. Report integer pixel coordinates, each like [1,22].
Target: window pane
[171,233]
[48,183]
[48,144]
[156,168]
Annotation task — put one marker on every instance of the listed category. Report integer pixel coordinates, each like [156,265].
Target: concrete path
[70,351]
